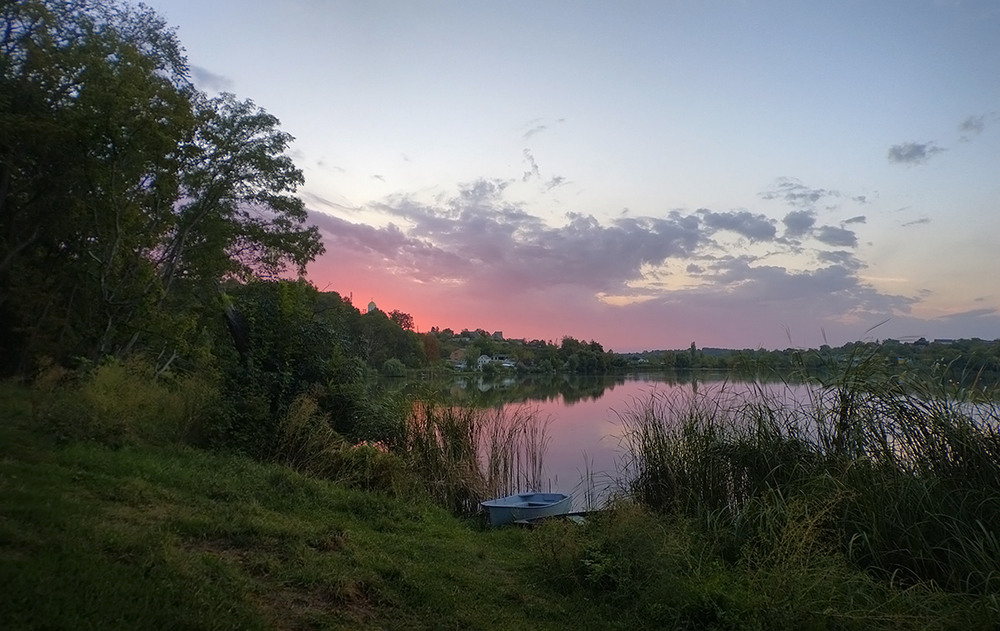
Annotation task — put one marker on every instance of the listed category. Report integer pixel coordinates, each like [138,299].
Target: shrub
[120,402]
[307,443]
[393,368]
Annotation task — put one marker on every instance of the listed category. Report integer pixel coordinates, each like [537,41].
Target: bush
[306,442]
[393,368]
[116,403]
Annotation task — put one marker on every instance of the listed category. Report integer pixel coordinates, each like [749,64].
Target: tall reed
[906,471]
[464,455]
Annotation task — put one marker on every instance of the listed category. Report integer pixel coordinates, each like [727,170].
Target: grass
[93,536]
[900,477]
[464,455]
[741,516]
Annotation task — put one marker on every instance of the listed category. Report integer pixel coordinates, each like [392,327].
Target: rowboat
[526,507]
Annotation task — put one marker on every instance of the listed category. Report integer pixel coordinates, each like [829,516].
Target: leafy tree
[379,338]
[125,194]
[93,108]
[404,320]
[238,216]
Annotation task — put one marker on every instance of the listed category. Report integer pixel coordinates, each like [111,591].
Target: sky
[738,174]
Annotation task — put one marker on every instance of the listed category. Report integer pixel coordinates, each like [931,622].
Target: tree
[125,194]
[432,347]
[93,109]
[238,216]
[404,320]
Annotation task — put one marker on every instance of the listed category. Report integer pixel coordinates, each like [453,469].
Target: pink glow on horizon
[549,315]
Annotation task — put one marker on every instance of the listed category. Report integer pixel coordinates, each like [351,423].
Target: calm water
[582,415]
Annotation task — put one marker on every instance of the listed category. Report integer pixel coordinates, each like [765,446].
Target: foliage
[393,368]
[307,442]
[119,403]
[962,363]
[93,110]
[125,194]
[668,572]
[294,350]
[238,217]
[378,338]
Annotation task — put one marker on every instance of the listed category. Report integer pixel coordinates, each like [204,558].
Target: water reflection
[583,456]
[486,391]
[582,415]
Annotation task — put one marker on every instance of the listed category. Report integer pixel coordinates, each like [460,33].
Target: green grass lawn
[172,537]
[144,538]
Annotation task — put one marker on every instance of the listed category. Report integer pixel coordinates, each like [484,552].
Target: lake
[583,454]
[582,415]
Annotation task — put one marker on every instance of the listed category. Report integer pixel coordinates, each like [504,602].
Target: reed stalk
[906,471]
[465,455]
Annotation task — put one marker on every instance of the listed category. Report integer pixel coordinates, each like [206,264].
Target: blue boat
[526,507]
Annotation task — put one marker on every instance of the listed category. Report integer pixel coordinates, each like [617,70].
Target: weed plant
[900,475]
[669,572]
[118,403]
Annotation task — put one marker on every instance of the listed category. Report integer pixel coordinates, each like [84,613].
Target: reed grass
[899,473]
[464,455]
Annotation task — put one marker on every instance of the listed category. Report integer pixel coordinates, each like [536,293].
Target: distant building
[372,307]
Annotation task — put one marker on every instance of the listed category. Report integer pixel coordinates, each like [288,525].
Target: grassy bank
[155,534]
[143,537]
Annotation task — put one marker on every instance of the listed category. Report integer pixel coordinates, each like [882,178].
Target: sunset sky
[739,174]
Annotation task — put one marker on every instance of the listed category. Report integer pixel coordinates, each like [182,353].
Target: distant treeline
[961,360]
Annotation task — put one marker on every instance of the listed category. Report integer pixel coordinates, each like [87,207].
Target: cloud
[209,81]
[537,129]
[913,152]
[533,170]
[488,242]
[973,125]
[475,248]
[856,219]
[556,181]
[917,222]
[832,235]
[798,222]
[972,313]
[479,238]
[794,193]
[842,258]
[754,227]
[537,126]
[312,199]
[768,283]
